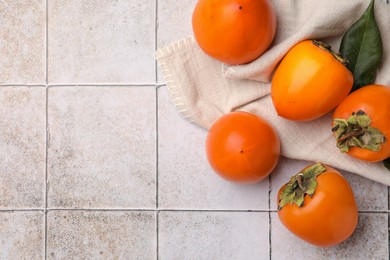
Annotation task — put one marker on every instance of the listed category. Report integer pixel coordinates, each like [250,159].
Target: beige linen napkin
[203,89]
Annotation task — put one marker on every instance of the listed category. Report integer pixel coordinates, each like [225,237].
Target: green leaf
[386,163]
[362,46]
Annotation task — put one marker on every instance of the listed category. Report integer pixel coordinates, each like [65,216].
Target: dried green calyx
[301,184]
[357,131]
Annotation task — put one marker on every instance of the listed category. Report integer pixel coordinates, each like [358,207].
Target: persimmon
[310,81]
[234,31]
[361,123]
[242,147]
[318,206]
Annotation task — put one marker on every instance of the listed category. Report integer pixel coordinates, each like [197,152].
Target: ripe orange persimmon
[318,206]
[234,31]
[242,147]
[361,123]
[309,82]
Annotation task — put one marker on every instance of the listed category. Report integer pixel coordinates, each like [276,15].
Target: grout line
[46,164]
[388,235]
[269,217]
[374,211]
[100,209]
[46,121]
[21,210]
[140,210]
[47,145]
[45,244]
[157,143]
[104,85]
[157,234]
[22,85]
[47,43]
[85,85]
[167,210]
[213,210]
[155,40]
[157,153]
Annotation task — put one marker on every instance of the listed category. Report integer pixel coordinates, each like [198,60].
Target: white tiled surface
[107,41]
[22,147]
[22,235]
[98,164]
[102,147]
[101,235]
[234,235]
[22,42]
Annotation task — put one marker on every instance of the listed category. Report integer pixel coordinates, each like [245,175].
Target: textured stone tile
[102,147]
[369,195]
[185,178]
[101,235]
[22,235]
[369,241]
[213,235]
[22,42]
[101,41]
[169,13]
[22,147]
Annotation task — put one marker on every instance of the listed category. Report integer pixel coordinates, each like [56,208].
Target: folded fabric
[203,89]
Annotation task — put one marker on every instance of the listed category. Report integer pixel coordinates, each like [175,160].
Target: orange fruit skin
[234,31]
[327,218]
[241,147]
[309,82]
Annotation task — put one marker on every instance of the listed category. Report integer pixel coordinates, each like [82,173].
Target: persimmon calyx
[357,131]
[301,184]
[328,48]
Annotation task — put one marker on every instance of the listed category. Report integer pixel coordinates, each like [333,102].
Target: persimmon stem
[300,182]
[356,130]
[328,48]
[352,134]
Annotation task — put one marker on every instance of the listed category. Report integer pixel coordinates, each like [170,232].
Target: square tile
[102,147]
[169,13]
[101,235]
[22,147]
[186,181]
[369,241]
[22,235]
[213,235]
[101,41]
[22,42]
[369,195]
